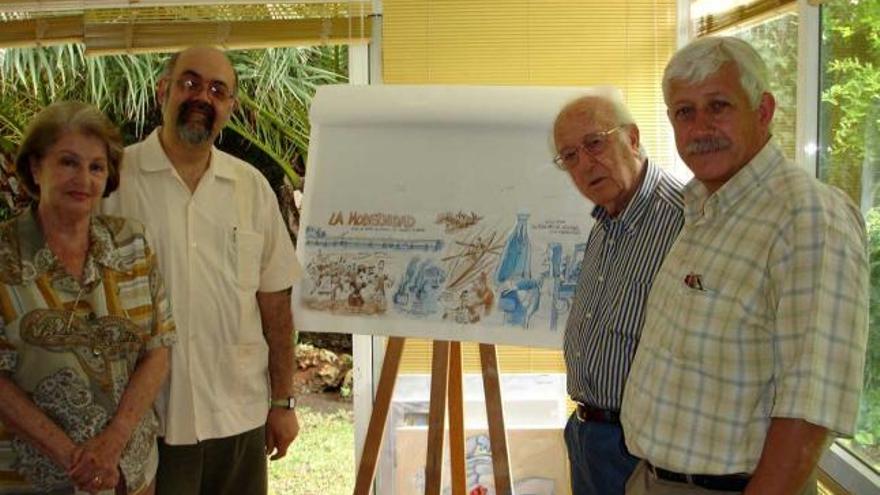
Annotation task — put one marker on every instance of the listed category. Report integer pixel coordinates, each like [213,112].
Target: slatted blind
[43,31]
[140,28]
[624,43]
[712,16]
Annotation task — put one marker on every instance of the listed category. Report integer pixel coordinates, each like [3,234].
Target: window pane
[849,158]
[776,39]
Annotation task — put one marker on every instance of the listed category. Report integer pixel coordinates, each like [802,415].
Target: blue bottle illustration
[520,294]
[515,260]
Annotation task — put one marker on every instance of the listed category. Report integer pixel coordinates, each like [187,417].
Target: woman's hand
[96,466]
[96,462]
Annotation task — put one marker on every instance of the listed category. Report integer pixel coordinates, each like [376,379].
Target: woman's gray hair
[704,57]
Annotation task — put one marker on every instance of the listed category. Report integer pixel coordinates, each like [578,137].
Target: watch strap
[285,403]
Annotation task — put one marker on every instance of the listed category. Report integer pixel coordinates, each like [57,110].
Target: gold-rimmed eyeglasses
[592,144]
[194,85]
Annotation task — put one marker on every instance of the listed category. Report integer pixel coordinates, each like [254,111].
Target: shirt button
[96,351]
[610,241]
[600,278]
[588,316]
[193,245]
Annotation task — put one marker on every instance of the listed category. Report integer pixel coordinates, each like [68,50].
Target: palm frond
[276,87]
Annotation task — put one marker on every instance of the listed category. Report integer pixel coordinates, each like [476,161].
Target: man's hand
[791,451]
[282,427]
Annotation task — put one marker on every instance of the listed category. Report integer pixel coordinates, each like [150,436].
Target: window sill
[848,471]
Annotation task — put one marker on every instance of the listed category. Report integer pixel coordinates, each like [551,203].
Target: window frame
[839,464]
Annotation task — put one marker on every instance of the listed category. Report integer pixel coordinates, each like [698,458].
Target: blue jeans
[600,463]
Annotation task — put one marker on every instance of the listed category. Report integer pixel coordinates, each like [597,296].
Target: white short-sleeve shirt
[217,247]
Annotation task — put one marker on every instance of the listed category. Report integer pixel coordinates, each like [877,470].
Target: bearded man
[229,265]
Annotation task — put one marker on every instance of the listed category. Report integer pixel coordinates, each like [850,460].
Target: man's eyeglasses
[593,144]
[194,85]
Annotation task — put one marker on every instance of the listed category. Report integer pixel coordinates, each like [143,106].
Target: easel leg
[456,421]
[376,429]
[437,417]
[495,419]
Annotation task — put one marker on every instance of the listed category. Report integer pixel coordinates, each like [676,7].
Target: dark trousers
[233,465]
[600,463]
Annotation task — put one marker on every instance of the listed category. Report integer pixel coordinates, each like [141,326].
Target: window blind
[625,43]
[167,28]
[710,16]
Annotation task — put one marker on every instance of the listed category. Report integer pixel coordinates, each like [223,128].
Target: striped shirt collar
[638,204]
[698,202]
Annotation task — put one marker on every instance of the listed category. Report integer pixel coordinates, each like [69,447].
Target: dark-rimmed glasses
[593,144]
[194,85]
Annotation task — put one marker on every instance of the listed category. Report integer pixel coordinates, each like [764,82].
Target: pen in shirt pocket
[235,236]
[694,281]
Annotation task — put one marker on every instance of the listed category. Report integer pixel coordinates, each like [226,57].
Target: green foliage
[849,159]
[851,92]
[270,129]
[867,435]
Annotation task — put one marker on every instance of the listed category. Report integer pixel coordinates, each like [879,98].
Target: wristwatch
[286,403]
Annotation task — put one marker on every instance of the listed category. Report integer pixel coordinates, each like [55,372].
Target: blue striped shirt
[622,255]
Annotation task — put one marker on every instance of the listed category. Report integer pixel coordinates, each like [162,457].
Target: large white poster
[437,212]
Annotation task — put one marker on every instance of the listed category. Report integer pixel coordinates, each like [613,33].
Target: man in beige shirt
[753,349]
[229,265]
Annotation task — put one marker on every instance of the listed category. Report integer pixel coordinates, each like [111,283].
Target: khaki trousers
[642,482]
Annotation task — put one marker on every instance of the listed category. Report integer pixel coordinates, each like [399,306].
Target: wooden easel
[446,383]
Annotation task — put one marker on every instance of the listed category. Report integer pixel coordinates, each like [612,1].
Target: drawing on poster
[457,221]
[474,273]
[468,296]
[436,212]
[418,293]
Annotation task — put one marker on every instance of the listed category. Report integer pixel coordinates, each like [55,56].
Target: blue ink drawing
[563,273]
[419,289]
[520,295]
[316,236]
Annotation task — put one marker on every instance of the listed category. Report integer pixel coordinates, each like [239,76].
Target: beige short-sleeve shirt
[217,246]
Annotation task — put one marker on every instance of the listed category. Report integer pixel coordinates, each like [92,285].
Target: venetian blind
[624,43]
[712,16]
[146,28]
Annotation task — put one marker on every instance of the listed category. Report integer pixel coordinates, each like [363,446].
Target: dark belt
[587,413]
[723,483]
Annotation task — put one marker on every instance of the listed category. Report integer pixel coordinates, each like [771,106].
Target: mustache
[707,145]
[188,107]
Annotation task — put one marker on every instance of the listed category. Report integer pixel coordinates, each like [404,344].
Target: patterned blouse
[72,346]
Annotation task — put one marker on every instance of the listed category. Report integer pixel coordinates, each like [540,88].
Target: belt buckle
[709,482]
[582,412]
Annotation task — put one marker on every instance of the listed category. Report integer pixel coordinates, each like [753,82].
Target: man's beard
[196,131]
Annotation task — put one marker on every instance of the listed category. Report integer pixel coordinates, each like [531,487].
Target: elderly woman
[85,322]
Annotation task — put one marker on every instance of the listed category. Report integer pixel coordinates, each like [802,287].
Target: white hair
[611,96]
[704,57]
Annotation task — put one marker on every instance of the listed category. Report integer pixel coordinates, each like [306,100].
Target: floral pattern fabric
[73,345]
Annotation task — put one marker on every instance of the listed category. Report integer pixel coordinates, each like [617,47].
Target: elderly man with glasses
[229,262]
[638,212]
